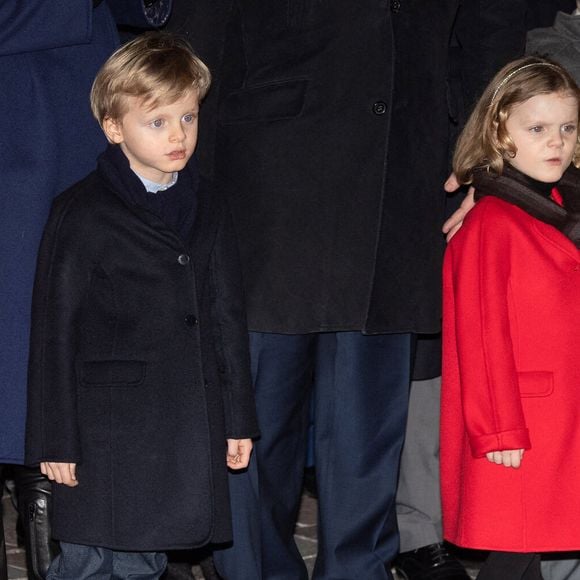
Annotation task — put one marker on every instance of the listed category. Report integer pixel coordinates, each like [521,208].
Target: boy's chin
[178,164]
[170,168]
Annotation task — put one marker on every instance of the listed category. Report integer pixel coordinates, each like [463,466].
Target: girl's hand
[239,451]
[509,458]
[64,473]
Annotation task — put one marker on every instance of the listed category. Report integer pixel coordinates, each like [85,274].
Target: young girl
[510,423]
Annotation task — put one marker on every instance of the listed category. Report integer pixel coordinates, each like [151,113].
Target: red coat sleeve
[479,354]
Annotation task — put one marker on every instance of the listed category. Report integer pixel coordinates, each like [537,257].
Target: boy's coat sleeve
[62,280]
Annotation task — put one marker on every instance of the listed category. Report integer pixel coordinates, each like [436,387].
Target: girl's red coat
[511,380]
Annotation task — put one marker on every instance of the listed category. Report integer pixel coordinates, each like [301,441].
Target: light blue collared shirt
[153,187]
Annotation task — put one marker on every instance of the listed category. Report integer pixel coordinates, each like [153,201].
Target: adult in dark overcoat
[49,55]
[139,339]
[334,126]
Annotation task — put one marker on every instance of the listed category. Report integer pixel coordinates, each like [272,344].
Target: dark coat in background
[542,12]
[560,42]
[139,369]
[334,160]
[49,55]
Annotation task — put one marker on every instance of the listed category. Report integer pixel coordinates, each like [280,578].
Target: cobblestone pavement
[305,538]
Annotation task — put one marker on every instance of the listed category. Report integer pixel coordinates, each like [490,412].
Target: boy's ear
[113,130]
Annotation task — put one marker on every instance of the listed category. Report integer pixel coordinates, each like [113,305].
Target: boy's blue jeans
[79,562]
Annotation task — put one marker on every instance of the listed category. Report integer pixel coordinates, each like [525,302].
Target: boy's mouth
[176,155]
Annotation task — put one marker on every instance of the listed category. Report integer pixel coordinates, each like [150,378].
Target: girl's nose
[556,139]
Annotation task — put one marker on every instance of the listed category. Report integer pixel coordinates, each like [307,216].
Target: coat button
[190,320]
[183,259]
[380,108]
[395,6]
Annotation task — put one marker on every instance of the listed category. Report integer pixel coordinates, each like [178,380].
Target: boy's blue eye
[189,118]
[157,123]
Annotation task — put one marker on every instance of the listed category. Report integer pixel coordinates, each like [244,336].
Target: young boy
[139,383]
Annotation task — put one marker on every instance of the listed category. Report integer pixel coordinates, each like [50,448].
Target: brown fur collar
[511,187]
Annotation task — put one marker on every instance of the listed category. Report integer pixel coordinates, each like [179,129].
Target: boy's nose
[177,134]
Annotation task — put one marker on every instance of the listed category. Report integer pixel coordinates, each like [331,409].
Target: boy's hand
[452,225]
[509,458]
[239,451]
[64,473]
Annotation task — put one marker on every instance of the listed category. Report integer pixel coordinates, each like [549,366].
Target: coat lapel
[557,239]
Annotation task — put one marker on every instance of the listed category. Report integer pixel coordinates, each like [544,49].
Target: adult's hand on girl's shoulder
[507,458]
[452,225]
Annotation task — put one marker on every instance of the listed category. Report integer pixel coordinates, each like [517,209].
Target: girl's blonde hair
[156,67]
[485,142]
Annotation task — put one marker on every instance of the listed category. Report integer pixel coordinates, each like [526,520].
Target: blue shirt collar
[153,187]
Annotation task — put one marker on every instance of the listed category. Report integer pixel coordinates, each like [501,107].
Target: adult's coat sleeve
[230,313]
[43,25]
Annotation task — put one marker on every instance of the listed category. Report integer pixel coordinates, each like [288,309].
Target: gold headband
[515,72]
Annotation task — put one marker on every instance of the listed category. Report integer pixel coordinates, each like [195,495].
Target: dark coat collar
[113,166]
[511,186]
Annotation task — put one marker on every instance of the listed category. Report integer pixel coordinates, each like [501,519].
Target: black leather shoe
[433,562]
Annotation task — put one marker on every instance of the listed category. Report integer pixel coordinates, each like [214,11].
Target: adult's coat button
[190,320]
[380,108]
[183,259]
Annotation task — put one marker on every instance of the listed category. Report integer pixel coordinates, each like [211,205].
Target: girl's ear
[113,130]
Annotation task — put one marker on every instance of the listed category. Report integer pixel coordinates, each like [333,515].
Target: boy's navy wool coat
[139,370]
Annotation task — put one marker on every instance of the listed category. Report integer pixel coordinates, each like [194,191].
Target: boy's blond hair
[485,142]
[156,67]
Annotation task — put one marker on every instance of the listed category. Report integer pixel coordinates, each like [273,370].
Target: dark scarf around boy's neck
[175,206]
[531,196]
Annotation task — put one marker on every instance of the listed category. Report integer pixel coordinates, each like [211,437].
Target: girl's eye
[157,123]
[569,128]
[536,129]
